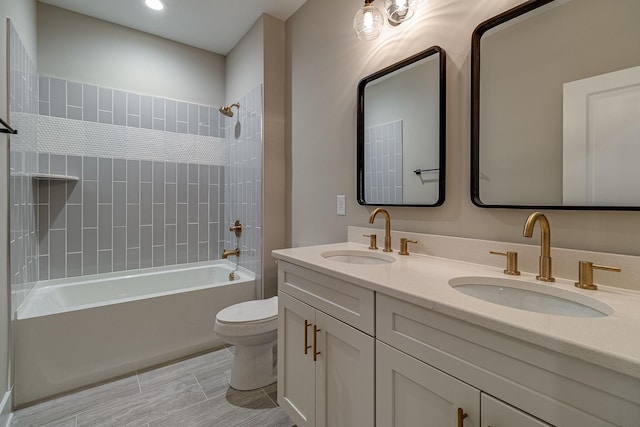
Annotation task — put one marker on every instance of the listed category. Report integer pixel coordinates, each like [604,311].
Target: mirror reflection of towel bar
[8,129]
[421,171]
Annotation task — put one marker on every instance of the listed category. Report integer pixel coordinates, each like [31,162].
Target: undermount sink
[358,257]
[540,298]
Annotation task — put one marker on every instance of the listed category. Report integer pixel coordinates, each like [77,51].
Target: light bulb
[368,22]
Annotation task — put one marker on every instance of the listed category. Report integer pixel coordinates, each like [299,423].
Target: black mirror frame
[442,123]
[479,31]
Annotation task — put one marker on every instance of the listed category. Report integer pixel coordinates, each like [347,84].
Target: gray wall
[324,63]
[80,48]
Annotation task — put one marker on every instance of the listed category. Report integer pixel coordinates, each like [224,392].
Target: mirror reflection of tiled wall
[383,159]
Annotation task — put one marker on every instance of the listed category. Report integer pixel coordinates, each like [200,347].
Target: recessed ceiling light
[154,4]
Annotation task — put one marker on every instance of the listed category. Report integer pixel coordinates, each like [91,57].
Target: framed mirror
[555,106]
[401,133]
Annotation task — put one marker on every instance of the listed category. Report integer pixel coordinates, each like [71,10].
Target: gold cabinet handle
[585,274]
[461,417]
[512,262]
[306,341]
[315,343]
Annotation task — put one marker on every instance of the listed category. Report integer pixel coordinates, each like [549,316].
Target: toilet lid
[250,311]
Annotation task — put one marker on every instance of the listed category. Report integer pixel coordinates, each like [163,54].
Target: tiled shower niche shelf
[53,177]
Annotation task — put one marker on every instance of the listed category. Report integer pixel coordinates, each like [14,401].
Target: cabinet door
[496,413]
[344,375]
[410,393]
[296,370]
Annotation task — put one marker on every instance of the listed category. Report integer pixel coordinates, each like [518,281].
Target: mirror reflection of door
[601,139]
[522,63]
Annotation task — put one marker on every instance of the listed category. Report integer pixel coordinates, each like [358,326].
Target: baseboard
[5,409]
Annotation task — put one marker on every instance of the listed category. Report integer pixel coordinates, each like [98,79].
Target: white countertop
[612,342]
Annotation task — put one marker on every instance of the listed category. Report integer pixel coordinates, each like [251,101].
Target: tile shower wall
[243,180]
[125,214]
[149,172]
[383,157]
[155,177]
[23,110]
[90,103]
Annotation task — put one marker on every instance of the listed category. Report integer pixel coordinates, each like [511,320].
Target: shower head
[227,110]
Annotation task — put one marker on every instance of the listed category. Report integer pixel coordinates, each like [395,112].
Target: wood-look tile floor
[191,393]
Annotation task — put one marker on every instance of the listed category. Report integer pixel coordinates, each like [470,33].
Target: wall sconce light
[399,10]
[368,21]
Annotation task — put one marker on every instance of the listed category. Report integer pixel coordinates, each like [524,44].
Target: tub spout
[226,253]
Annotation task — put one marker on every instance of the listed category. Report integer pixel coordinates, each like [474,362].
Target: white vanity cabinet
[410,393]
[325,349]
[496,414]
[455,364]
[386,362]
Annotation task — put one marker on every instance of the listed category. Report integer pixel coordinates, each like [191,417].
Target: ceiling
[213,25]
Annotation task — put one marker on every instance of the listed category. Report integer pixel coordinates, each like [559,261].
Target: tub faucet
[226,253]
[387,227]
[545,244]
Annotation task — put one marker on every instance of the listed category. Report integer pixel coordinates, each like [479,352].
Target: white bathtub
[75,332]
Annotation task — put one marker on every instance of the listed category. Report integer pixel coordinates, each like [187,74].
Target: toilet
[252,327]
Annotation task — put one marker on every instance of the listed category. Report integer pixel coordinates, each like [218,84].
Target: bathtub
[71,333]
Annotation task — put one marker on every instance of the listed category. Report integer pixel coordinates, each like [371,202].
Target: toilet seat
[248,318]
[250,312]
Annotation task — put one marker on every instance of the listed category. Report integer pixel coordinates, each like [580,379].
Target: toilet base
[254,366]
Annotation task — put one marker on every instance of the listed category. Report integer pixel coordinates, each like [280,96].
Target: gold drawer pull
[315,342]
[306,341]
[461,417]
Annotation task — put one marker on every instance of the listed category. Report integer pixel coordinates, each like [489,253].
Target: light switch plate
[341,205]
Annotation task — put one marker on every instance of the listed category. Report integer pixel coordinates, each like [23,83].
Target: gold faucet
[387,227]
[226,253]
[545,244]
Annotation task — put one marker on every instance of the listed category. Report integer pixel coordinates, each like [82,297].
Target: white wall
[79,48]
[245,63]
[325,61]
[23,15]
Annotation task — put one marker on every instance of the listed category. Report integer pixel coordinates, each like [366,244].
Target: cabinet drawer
[349,303]
[497,413]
